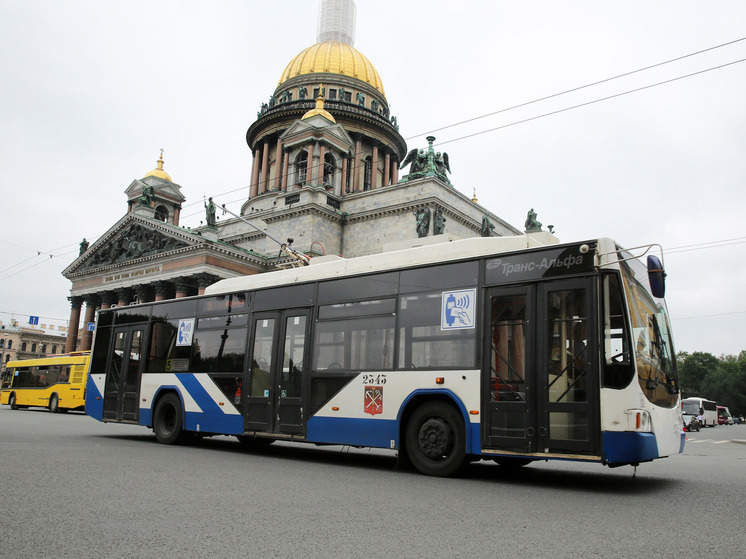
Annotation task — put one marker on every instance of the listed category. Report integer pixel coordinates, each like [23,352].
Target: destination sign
[543,264]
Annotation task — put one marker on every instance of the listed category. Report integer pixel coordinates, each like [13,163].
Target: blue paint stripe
[94,401]
[358,432]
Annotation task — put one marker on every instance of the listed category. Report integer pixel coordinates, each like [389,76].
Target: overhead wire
[358,166]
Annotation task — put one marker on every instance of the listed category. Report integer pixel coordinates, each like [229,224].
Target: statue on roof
[427,163]
[83,247]
[210,213]
[146,198]
[532,224]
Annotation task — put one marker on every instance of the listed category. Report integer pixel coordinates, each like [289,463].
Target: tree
[694,369]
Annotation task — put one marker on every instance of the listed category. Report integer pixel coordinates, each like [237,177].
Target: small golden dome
[319,110]
[158,171]
[333,57]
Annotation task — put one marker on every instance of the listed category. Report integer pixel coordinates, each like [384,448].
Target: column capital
[76,301]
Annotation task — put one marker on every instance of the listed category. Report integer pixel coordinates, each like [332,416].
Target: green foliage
[722,379]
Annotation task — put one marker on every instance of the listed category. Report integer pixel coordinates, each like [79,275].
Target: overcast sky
[91,90]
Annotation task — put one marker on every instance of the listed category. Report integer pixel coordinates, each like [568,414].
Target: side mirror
[656,276]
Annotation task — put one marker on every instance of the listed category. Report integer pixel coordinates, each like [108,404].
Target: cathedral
[331,175]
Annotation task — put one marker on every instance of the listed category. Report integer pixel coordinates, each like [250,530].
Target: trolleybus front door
[279,351]
[123,374]
[542,379]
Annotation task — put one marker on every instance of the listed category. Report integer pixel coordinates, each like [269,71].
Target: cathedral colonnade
[317,164]
[160,290]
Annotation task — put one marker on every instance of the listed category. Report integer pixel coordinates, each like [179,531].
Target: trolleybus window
[422,340]
[656,365]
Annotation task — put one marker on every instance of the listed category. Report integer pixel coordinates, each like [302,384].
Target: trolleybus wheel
[167,420]
[435,439]
[12,402]
[54,403]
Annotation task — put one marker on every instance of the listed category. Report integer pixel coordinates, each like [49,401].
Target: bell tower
[155,195]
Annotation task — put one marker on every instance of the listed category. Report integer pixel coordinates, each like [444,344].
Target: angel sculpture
[418,159]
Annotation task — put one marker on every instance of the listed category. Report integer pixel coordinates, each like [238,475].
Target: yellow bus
[56,382]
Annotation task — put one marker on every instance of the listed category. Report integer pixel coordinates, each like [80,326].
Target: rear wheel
[436,440]
[167,420]
[54,403]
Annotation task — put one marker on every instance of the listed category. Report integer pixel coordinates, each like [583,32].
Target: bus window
[422,341]
[618,369]
[656,364]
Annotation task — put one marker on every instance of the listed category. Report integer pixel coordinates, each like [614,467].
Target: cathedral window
[329,169]
[301,167]
[161,213]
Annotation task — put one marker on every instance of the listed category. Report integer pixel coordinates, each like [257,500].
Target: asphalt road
[73,487]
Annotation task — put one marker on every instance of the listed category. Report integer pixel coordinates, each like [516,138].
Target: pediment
[132,238]
[299,130]
[161,188]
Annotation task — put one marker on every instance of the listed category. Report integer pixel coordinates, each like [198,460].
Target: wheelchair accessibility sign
[458,309]
[185,332]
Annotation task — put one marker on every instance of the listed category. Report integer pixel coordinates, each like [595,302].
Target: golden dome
[333,57]
[158,171]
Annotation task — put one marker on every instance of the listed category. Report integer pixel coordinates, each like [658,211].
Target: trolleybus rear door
[279,350]
[123,374]
[541,378]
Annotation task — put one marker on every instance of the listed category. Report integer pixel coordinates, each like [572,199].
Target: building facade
[327,176]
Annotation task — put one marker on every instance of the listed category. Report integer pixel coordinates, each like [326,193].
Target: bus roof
[338,267]
[61,359]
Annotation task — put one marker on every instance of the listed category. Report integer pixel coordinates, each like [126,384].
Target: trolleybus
[485,348]
[56,382]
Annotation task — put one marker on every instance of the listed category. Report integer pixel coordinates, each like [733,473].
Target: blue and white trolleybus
[484,348]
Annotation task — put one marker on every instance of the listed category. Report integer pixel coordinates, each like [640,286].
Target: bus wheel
[167,420]
[12,402]
[54,404]
[435,439]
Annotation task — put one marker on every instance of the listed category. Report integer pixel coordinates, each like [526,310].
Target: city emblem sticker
[458,309]
[373,400]
[186,329]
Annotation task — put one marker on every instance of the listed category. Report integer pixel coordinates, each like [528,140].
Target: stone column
[108,298]
[309,164]
[124,295]
[322,153]
[254,185]
[205,280]
[90,315]
[278,166]
[72,328]
[144,293]
[177,214]
[395,172]
[163,290]
[182,288]
[343,185]
[285,167]
[374,169]
[386,169]
[356,167]
[265,164]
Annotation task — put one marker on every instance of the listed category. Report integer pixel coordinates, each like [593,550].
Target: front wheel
[435,439]
[167,420]
[12,402]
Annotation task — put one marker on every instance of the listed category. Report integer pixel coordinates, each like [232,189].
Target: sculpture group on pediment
[134,242]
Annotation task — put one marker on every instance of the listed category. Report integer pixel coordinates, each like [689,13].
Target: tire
[168,420]
[436,440]
[12,402]
[54,404]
